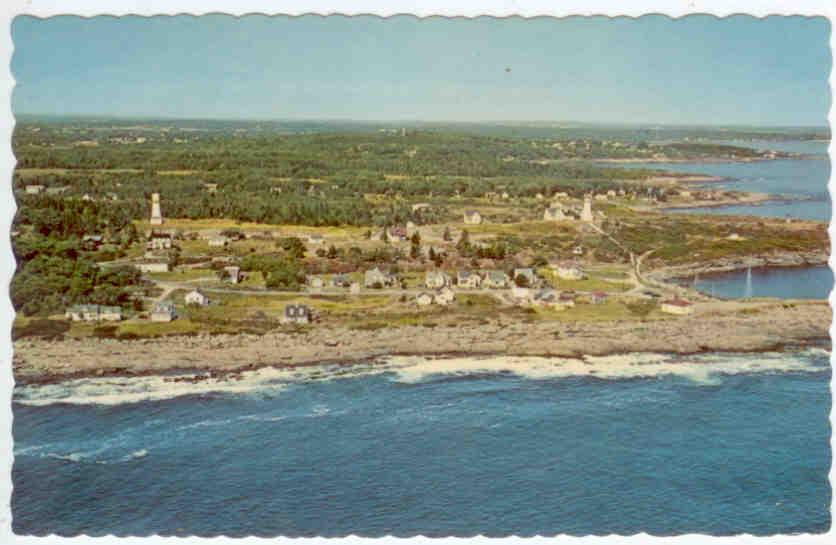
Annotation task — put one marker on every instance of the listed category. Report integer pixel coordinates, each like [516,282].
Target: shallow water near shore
[711,443]
[813,282]
[799,184]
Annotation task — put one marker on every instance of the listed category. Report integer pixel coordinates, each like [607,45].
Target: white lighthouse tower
[156,214]
[586,213]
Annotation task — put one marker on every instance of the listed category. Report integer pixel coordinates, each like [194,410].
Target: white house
[445,296]
[496,280]
[568,271]
[677,306]
[296,314]
[528,274]
[93,313]
[34,189]
[153,266]
[232,273]
[598,297]
[163,311]
[423,299]
[472,217]
[159,242]
[375,278]
[436,279]
[197,297]
[316,282]
[554,213]
[218,242]
[467,279]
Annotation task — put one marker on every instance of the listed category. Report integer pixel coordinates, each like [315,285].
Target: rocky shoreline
[722,326]
[725,265]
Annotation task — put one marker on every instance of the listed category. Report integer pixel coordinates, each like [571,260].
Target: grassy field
[182,275]
[612,309]
[591,283]
[219,224]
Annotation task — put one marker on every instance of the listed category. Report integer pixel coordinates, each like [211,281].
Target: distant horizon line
[544,123]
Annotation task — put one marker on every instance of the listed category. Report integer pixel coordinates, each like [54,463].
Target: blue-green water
[783,282]
[800,185]
[718,444]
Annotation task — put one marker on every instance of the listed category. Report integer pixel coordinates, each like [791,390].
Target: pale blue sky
[696,70]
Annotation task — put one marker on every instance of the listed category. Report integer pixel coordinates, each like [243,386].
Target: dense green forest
[315,179]
[54,273]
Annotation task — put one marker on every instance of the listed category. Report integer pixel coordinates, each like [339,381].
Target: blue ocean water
[718,444]
[784,282]
[801,183]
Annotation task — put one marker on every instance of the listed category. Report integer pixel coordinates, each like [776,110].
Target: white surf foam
[122,390]
[72,457]
[118,390]
[704,368]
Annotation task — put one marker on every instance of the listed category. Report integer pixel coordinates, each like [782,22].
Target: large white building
[554,213]
[156,212]
[586,213]
[197,297]
[472,217]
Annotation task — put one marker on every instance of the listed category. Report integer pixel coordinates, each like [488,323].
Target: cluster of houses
[93,313]
[316,282]
[443,297]
[555,211]
[493,279]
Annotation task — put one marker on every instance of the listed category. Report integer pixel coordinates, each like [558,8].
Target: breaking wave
[702,368]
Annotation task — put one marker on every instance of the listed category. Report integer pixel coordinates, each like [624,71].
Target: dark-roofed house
[436,279]
[496,280]
[341,281]
[93,313]
[472,217]
[159,241]
[91,242]
[197,297]
[423,299]
[468,280]
[598,297]
[232,273]
[297,314]
[163,311]
[677,306]
[528,274]
[375,278]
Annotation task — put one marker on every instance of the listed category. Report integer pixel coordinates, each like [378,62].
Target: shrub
[46,329]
